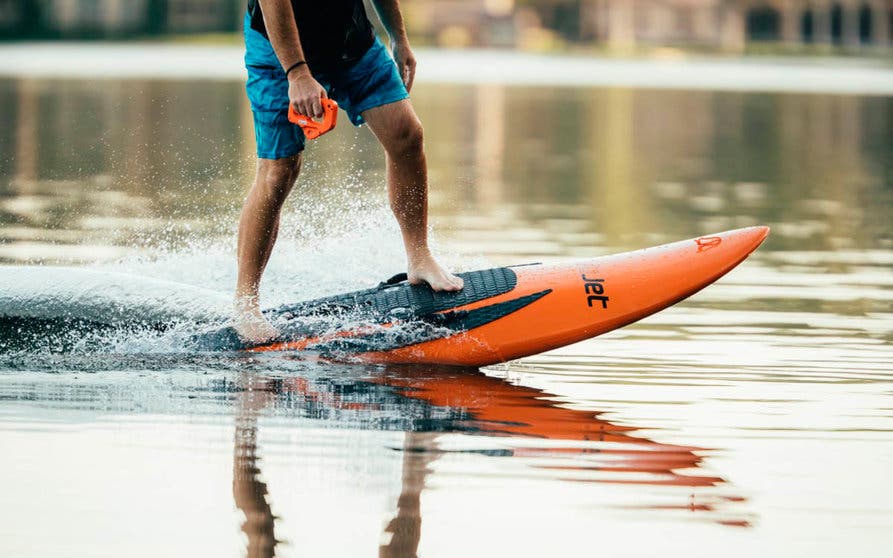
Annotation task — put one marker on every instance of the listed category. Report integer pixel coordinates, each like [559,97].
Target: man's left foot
[250,323]
[427,270]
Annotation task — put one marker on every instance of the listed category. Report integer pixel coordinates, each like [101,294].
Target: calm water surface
[753,418]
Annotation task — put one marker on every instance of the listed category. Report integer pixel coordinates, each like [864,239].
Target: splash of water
[158,303]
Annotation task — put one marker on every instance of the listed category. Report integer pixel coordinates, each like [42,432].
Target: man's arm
[392,19]
[304,92]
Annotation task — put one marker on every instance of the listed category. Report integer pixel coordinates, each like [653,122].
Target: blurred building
[537,24]
[730,24]
[713,24]
[76,19]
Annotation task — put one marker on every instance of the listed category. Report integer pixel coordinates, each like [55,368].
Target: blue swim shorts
[372,81]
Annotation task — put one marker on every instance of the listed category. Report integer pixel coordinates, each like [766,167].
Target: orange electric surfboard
[504,313]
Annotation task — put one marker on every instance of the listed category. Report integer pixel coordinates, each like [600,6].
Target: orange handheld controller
[312,128]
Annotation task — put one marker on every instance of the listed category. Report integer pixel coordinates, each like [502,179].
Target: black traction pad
[404,301]
[395,301]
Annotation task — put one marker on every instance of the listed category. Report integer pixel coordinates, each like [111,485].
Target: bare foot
[250,323]
[425,269]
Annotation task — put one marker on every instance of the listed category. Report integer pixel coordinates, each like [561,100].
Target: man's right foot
[250,324]
[425,269]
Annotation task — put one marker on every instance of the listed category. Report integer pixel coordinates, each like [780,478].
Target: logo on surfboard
[595,291]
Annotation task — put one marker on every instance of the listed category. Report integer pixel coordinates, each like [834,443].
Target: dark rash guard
[333,33]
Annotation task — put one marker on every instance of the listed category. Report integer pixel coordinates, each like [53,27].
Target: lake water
[753,419]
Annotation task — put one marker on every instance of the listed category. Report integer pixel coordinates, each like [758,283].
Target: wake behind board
[508,312]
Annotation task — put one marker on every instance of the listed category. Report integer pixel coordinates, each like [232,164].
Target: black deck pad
[415,312]
[401,298]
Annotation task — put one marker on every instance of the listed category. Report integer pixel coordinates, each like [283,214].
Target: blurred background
[860,26]
[580,126]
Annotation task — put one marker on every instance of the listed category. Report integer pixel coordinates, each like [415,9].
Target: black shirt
[332,32]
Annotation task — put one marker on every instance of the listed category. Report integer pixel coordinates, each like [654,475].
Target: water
[753,418]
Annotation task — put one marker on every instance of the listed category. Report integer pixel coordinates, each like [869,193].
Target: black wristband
[293,66]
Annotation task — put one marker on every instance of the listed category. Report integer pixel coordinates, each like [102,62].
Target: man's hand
[405,60]
[304,93]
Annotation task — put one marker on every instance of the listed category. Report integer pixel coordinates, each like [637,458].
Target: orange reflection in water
[487,405]
[499,407]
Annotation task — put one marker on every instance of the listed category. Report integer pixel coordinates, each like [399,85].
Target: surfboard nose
[759,233]
[719,252]
[746,239]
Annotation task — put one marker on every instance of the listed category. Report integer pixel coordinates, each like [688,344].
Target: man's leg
[398,129]
[258,227]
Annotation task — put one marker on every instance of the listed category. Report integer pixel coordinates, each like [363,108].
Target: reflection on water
[750,419]
[494,418]
[434,400]
[89,170]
